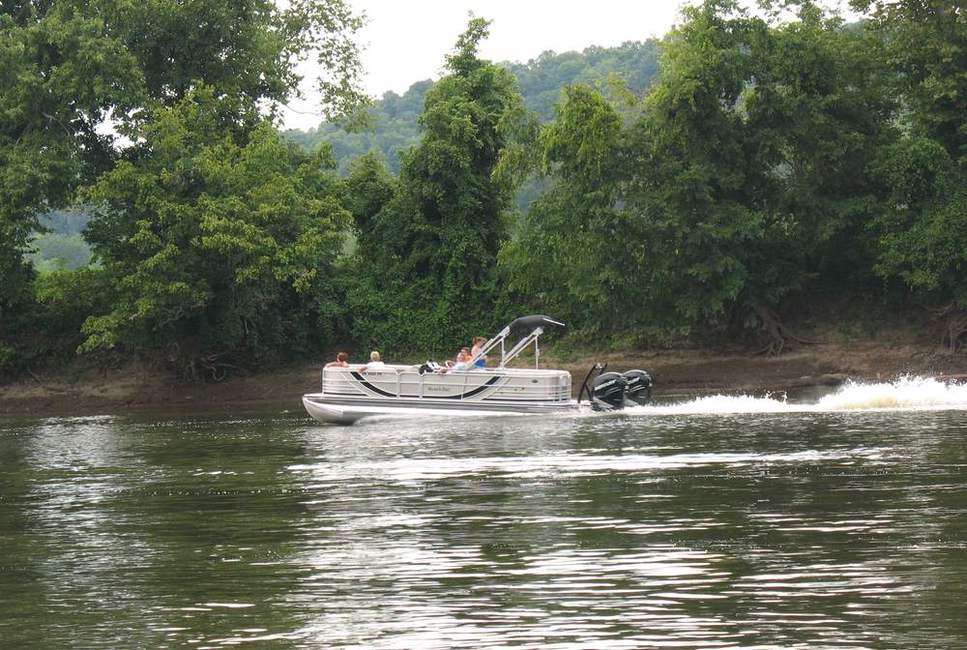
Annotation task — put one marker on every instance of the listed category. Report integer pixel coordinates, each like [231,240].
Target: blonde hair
[374,356]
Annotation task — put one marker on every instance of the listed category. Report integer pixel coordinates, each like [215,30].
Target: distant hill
[542,79]
[541,82]
[61,245]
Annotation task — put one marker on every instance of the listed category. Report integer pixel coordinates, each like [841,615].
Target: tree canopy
[218,246]
[701,188]
[75,77]
[437,236]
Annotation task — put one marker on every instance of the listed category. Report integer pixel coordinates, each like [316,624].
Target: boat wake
[904,393]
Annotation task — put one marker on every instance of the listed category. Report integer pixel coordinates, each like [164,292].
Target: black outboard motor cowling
[608,391]
[638,387]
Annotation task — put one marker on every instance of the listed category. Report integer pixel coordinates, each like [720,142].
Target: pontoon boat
[351,393]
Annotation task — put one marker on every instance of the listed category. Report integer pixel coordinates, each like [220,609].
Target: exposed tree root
[778,335]
[953,333]
[198,367]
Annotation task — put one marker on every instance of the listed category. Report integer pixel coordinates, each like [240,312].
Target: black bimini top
[527,324]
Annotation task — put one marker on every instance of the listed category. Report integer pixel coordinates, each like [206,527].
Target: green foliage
[241,48]
[759,136]
[394,128]
[743,179]
[65,299]
[368,188]
[696,143]
[61,70]
[49,325]
[768,160]
[927,45]
[921,178]
[8,359]
[542,81]
[69,69]
[216,244]
[821,108]
[566,255]
[426,275]
[923,226]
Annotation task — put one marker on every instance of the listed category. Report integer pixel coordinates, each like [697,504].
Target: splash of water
[904,393]
[907,392]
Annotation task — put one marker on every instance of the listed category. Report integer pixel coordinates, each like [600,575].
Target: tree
[921,177]
[756,142]
[818,110]
[927,45]
[922,228]
[368,188]
[61,71]
[73,75]
[741,181]
[574,251]
[697,166]
[542,82]
[428,278]
[221,247]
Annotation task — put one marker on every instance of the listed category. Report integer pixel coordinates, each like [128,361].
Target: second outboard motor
[608,391]
[638,387]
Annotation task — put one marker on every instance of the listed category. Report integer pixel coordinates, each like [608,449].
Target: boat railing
[401,373]
[528,328]
[418,379]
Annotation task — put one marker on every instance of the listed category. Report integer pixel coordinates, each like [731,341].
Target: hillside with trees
[393,119]
[772,165]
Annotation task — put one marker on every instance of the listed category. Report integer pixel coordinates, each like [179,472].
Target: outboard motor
[612,391]
[608,391]
[638,387]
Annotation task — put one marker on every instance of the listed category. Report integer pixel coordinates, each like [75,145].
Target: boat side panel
[396,382]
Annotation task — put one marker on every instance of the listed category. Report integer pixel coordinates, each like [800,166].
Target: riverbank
[674,371]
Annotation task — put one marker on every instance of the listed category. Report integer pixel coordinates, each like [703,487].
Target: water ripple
[765,530]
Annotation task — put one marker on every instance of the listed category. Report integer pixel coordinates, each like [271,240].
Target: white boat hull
[349,394]
[335,413]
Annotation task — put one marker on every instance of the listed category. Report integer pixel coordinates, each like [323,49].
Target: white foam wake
[904,393]
[909,392]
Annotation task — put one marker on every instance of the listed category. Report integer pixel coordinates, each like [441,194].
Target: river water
[719,522]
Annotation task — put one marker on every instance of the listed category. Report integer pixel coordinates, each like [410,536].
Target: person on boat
[478,343]
[375,363]
[342,361]
[463,361]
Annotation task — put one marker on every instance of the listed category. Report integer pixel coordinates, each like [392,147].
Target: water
[720,522]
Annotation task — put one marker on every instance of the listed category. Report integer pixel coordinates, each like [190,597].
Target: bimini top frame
[529,328]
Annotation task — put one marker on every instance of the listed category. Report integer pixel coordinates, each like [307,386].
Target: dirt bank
[674,371]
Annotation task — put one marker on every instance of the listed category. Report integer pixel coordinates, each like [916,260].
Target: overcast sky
[405,41]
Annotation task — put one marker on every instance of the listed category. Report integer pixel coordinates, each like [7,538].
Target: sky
[405,41]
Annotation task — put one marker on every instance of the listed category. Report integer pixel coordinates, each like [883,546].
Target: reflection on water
[674,527]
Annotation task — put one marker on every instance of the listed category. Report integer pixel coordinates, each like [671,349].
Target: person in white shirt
[374,362]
